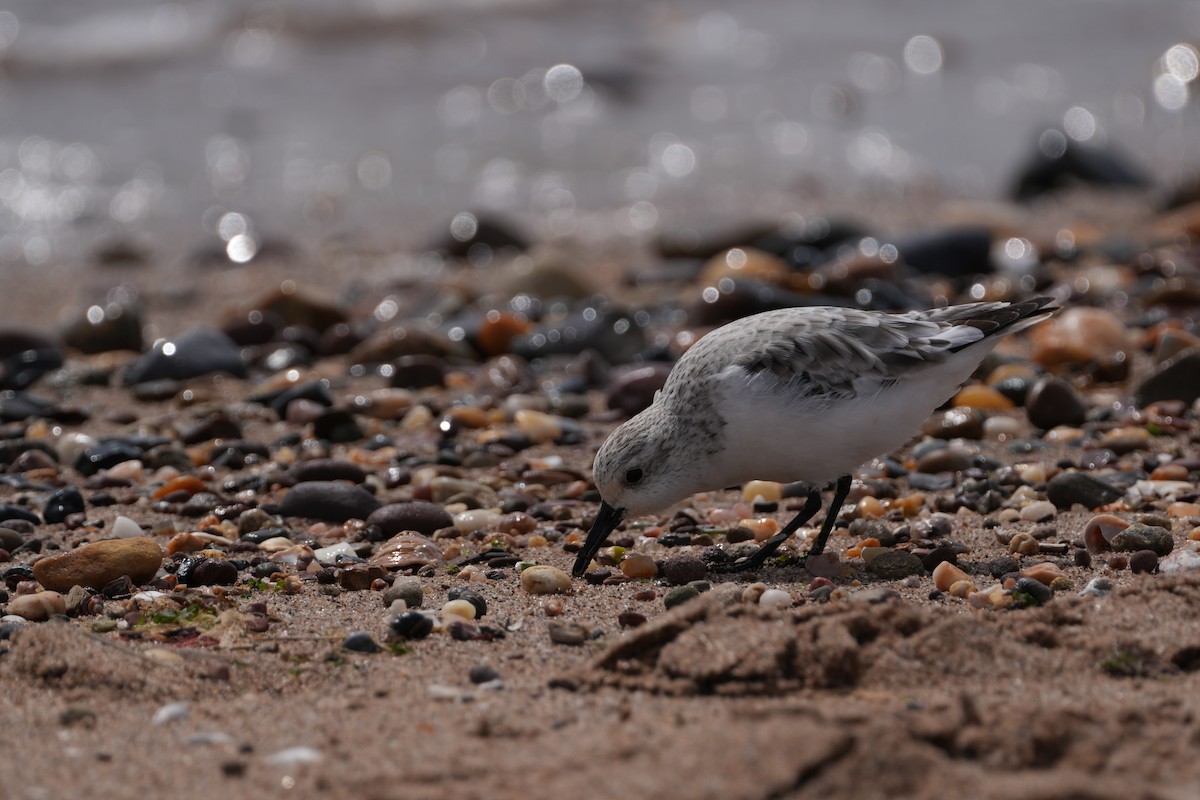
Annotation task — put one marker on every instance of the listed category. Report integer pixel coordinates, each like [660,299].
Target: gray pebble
[1143,537]
[896,564]
[679,570]
[680,595]
[407,589]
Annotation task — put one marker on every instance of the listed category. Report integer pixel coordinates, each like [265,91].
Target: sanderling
[799,394]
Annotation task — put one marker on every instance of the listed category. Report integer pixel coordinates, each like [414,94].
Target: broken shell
[408,550]
[194,542]
[1100,530]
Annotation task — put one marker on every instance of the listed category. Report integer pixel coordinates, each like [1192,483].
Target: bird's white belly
[768,439]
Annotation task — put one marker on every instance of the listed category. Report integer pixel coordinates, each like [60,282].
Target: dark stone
[482,673]
[103,328]
[1140,536]
[417,515]
[1070,488]
[930,483]
[411,625]
[1052,402]
[633,390]
[490,232]
[215,426]
[328,469]
[10,513]
[359,577]
[253,328]
[1059,162]
[680,595]
[199,504]
[333,501]
[947,459]
[1083,558]
[630,619]
[10,540]
[1144,561]
[361,642]
[679,570]
[1015,388]
[1035,590]
[337,425]
[471,596]
[896,564]
[316,391]
[998,567]
[213,572]
[612,332]
[200,351]
[955,252]
[62,503]
[21,368]
[417,372]
[1177,378]
[937,555]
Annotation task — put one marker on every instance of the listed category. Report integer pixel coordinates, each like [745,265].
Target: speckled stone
[896,564]
[1143,537]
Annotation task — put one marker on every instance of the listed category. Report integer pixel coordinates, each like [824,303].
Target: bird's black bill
[607,519]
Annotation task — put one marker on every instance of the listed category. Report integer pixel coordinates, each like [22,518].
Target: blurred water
[231,123]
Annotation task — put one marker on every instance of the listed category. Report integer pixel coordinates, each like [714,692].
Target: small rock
[636,565]
[62,503]
[96,564]
[328,469]
[947,574]
[957,423]
[1053,402]
[679,570]
[676,596]
[407,589]
[418,515]
[1100,530]
[1044,572]
[1182,560]
[458,608]
[333,501]
[566,632]
[1143,537]
[37,607]
[200,351]
[482,673]
[411,625]
[213,572]
[1034,589]
[895,564]
[1143,561]
[1083,336]
[470,596]
[1175,379]
[1070,488]
[633,390]
[775,598]
[544,579]
[1096,587]
[632,619]
[361,642]
[1038,511]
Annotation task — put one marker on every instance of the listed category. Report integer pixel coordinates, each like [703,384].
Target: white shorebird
[799,394]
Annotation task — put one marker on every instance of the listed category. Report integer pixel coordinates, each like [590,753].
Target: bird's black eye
[633,476]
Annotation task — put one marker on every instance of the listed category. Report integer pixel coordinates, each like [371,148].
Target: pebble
[1052,402]
[1001,427]
[568,633]
[1181,560]
[1045,572]
[896,564]
[957,423]
[775,598]
[418,515]
[633,390]
[1100,530]
[1080,335]
[459,608]
[470,596]
[407,551]
[482,673]
[1071,488]
[983,397]
[1177,378]
[767,491]
[676,596]
[1039,511]
[10,540]
[328,469]
[679,570]
[637,565]
[200,351]
[1096,587]
[1139,536]
[406,589]
[411,625]
[947,574]
[361,642]
[95,565]
[37,607]
[632,619]
[333,501]
[544,579]
[61,504]
[1039,592]
[1143,561]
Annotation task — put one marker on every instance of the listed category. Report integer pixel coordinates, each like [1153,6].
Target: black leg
[839,497]
[811,507]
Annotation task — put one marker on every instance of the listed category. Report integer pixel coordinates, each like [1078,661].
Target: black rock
[20,369]
[956,252]
[11,511]
[200,351]
[64,501]
[482,673]
[937,555]
[417,515]
[1036,591]
[103,328]
[218,425]
[485,231]
[411,625]
[417,372]
[1052,402]
[208,572]
[316,391]
[337,425]
[361,642]
[1070,488]
[1060,162]
[328,469]
[471,596]
[612,332]
[896,564]
[328,500]
[1144,561]
[253,328]
[10,540]
[1177,378]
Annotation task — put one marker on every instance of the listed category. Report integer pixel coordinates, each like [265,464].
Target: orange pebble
[870,542]
[1170,472]
[498,330]
[870,507]
[979,396]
